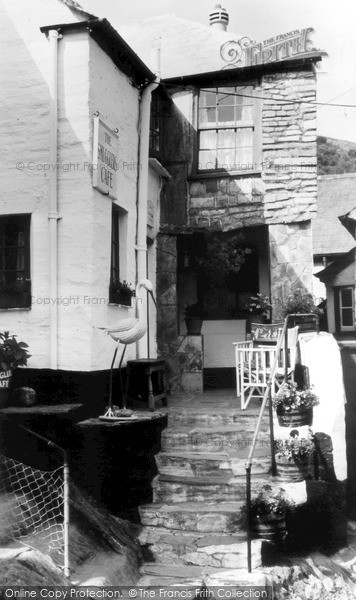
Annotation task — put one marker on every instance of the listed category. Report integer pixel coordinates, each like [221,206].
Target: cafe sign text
[105,159]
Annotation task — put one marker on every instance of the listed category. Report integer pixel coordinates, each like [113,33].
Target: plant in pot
[13,354]
[294,407]
[268,511]
[300,303]
[258,308]
[121,292]
[193,318]
[293,456]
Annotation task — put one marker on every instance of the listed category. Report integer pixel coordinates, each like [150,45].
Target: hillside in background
[335,156]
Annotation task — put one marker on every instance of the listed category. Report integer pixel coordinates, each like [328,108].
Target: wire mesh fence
[34,500]
[31,504]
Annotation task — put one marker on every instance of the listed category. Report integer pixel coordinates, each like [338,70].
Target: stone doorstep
[205,550]
[207,419]
[196,577]
[202,517]
[234,441]
[175,488]
[207,464]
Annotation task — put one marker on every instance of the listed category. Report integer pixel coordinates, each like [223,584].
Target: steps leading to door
[192,531]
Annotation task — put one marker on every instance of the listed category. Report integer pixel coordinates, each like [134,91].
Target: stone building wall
[286,189]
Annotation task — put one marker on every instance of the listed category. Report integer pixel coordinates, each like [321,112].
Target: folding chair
[254,361]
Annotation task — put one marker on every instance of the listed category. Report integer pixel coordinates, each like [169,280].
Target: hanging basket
[269,527]
[296,469]
[294,417]
[5,382]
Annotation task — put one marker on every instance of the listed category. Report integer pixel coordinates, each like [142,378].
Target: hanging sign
[105,159]
[246,53]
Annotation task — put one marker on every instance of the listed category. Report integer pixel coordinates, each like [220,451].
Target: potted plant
[300,303]
[268,511]
[294,407]
[258,308]
[293,456]
[13,354]
[193,318]
[121,292]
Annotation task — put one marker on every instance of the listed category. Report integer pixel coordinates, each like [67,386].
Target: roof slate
[336,196]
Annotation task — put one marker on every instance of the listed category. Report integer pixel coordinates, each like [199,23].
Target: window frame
[339,308]
[255,123]
[12,298]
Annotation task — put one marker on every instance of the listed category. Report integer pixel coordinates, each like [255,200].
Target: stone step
[225,551]
[175,488]
[209,463]
[203,517]
[165,575]
[234,441]
[214,417]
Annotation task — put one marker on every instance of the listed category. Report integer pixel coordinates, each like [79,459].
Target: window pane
[244,113]
[15,262]
[226,114]
[244,156]
[207,98]
[207,115]
[207,160]
[244,137]
[346,297]
[347,319]
[226,159]
[207,140]
[226,138]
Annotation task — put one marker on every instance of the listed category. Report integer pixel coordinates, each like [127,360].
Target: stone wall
[291,265]
[289,146]
[284,185]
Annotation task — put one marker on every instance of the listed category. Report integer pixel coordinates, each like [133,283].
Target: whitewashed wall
[88,82]
[24,124]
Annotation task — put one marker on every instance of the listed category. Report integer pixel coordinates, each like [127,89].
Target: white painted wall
[24,130]
[88,82]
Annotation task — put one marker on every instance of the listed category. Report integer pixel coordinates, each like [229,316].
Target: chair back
[265,334]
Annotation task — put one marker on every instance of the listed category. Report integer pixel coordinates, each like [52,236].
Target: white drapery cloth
[321,354]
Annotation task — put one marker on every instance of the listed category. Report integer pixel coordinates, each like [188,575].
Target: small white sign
[105,159]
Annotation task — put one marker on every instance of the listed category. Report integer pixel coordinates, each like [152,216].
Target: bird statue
[127,332]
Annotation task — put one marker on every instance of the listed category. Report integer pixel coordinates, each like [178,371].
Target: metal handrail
[282,338]
[66,567]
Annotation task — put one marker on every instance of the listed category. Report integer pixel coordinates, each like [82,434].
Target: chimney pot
[219,18]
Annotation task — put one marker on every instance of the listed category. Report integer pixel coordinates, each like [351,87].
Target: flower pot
[295,469]
[295,417]
[5,382]
[269,527]
[194,325]
[304,323]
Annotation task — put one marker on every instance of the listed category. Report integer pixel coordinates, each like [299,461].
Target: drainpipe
[53,200]
[143,155]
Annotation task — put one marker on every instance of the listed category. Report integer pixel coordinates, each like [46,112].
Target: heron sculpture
[127,332]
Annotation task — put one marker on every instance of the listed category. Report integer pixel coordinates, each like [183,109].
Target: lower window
[345,308]
[15,277]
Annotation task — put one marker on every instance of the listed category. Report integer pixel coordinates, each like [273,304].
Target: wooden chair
[254,361]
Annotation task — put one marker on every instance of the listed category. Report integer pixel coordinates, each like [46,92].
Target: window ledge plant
[121,292]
